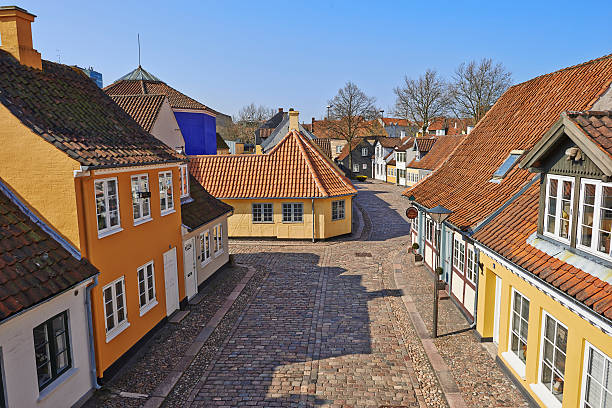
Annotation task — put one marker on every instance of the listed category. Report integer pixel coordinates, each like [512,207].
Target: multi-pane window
[107,205]
[141,201]
[415,224]
[597,382]
[595,219]
[472,266]
[338,149]
[262,212]
[559,200]
[355,167]
[552,357]
[114,305]
[205,247]
[218,238]
[166,196]
[338,210]
[293,212]
[364,166]
[364,152]
[428,229]
[184,179]
[519,325]
[459,254]
[52,349]
[146,285]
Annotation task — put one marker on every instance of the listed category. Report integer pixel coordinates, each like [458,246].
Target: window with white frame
[355,167]
[364,166]
[218,238]
[293,212]
[428,229]
[184,179]
[115,312]
[338,149]
[458,254]
[146,286]
[558,211]
[364,152]
[141,201]
[337,210]
[52,349]
[472,265]
[595,217]
[262,212]
[402,134]
[519,325]
[415,224]
[596,379]
[107,205]
[552,356]
[166,196]
[205,247]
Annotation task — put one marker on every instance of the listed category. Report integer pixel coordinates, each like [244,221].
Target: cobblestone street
[324,325]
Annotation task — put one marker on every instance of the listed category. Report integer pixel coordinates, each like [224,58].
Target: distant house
[322,129]
[404,154]
[383,152]
[222,147]
[395,127]
[293,191]
[281,130]
[443,126]
[196,121]
[266,128]
[417,170]
[361,158]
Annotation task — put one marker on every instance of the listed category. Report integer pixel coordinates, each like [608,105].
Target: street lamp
[381,113]
[328,108]
[438,214]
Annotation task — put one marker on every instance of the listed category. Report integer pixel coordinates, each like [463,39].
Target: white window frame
[339,149]
[429,234]
[141,201]
[364,152]
[205,251]
[184,180]
[262,213]
[599,185]
[340,210]
[364,166]
[162,193]
[585,366]
[471,267]
[541,390]
[217,239]
[515,362]
[292,214]
[109,229]
[355,167]
[556,234]
[120,326]
[151,302]
[459,263]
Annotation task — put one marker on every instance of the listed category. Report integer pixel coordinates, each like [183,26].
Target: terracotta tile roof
[507,235]
[522,115]
[67,109]
[596,125]
[33,266]
[392,163]
[390,142]
[424,144]
[440,151]
[322,130]
[453,126]
[293,168]
[324,145]
[142,108]
[203,209]
[388,154]
[396,122]
[406,144]
[345,150]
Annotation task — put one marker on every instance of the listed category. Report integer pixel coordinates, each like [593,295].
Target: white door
[191,282]
[171,280]
[498,284]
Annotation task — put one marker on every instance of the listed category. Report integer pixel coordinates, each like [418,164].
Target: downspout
[313,221]
[92,349]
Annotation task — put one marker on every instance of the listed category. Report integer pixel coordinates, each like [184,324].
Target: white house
[46,342]
[382,149]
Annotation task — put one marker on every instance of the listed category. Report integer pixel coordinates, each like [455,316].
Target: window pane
[593,393]
[561,341]
[605,222]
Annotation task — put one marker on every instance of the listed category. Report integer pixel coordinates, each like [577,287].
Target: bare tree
[351,112]
[421,100]
[476,86]
[248,119]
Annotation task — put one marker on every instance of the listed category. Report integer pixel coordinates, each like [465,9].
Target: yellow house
[294,191]
[391,172]
[545,285]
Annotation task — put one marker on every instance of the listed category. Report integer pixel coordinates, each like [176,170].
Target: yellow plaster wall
[579,330]
[391,179]
[40,174]
[410,171]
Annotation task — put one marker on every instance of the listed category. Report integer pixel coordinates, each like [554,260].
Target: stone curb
[445,378]
[160,393]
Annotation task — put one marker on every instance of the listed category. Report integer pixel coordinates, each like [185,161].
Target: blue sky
[297,54]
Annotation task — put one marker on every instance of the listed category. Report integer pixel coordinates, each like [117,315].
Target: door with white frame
[171,281]
[496,316]
[191,280]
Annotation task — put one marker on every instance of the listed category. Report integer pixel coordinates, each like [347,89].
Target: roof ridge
[308,162]
[329,162]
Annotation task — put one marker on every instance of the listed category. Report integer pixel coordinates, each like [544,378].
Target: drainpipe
[313,221]
[92,350]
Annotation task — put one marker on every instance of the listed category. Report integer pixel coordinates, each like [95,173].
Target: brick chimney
[280,110]
[16,35]
[293,120]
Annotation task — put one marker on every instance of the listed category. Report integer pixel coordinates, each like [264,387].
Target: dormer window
[595,218]
[507,165]
[559,207]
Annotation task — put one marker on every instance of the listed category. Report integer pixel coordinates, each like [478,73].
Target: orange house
[109,188]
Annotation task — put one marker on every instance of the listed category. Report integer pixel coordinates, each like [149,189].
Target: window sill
[545,396]
[142,220]
[167,212]
[206,262]
[109,232]
[219,252]
[515,363]
[49,389]
[337,219]
[116,331]
[263,222]
[293,222]
[148,307]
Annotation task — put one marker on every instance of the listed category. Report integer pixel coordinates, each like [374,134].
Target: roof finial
[138,50]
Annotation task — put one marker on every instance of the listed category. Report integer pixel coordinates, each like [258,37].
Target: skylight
[507,165]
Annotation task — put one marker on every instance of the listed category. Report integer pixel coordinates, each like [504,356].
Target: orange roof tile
[293,168]
[322,130]
[324,145]
[396,122]
[142,108]
[440,151]
[424,144]
[596,125]
[522,115]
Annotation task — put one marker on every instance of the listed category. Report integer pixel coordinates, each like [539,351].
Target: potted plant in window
[441,284]
[418,258]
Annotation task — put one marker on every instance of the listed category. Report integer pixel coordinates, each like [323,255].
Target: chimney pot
[293,120]
[280,110]
[16,33]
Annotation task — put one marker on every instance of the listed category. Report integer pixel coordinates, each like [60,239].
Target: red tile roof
[66,108]
[142,108]
[390,142]
[203,208]
[507,235]
[406,144]
[293,168]
[424,144]
[322,129]
[596,125]
[324,145]
[396,122]
[346,150]
[440,151]
[33,266]
[517,121]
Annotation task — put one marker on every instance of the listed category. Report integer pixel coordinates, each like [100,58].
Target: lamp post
[328,108]
[438,214]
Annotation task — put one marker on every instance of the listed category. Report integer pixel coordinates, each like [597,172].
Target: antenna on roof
[139,50]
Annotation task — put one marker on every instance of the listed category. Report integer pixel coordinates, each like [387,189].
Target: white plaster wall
[167,129]
[429,256]
[457,286]
[469,300]
[216,262]
[19,364]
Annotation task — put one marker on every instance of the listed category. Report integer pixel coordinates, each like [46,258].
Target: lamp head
[439,214]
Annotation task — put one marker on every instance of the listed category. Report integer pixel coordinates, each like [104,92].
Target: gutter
[90,332]
[313,221]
